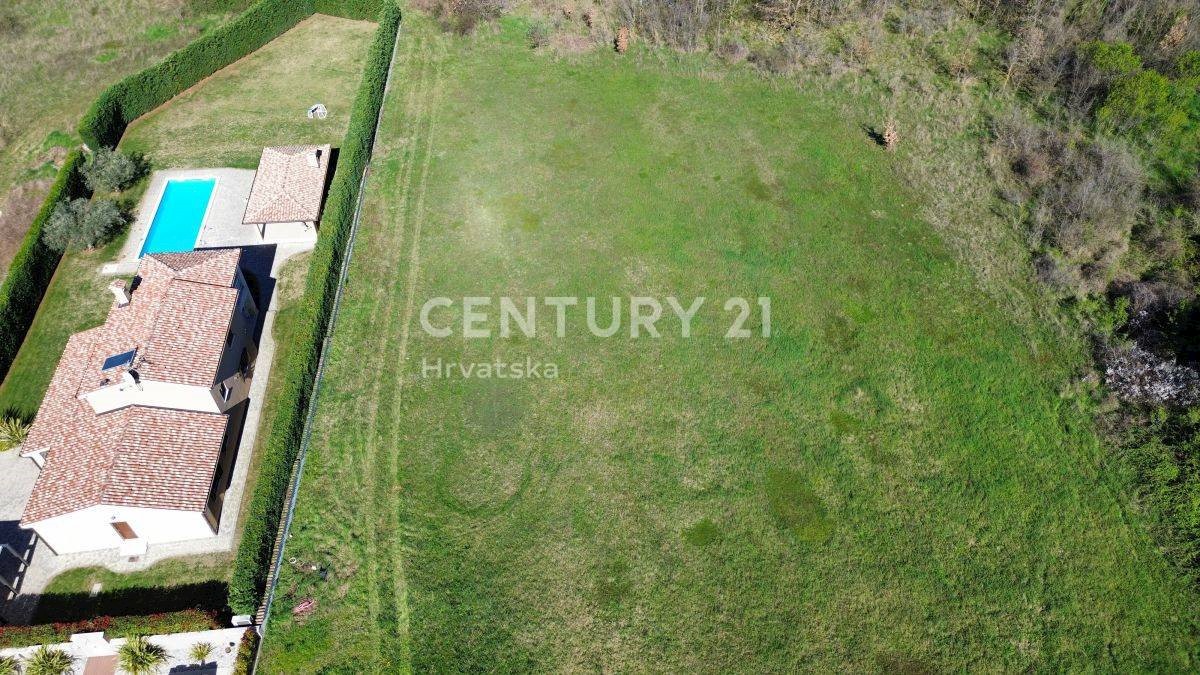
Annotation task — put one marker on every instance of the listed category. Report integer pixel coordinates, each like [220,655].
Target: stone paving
[16,481]
[222,220]
[89,650]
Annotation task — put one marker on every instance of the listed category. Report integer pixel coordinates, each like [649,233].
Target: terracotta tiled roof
[288,187]
[134,456]
[176,321]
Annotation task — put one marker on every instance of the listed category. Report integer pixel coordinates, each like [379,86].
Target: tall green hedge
[34,265]
[287,427]
[350,9]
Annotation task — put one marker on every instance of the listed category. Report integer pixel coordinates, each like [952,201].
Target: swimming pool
[179,215]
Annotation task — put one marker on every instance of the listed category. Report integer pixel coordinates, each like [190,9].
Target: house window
[225,392]
[244,363]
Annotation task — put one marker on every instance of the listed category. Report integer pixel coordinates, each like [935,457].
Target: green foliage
[246,651]
[186,621]
[1166,454]
[49,661]
[1104,317]
[33,266]
[109,171]
[1144,103]
[81,223]
[13,432]
[1188,65]
[139,656]
[351,9]
[200,652]
[8,665]
[266,505]
[1111,58]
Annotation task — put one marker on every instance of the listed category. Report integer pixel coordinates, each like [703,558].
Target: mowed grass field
[891,481]
[261,100]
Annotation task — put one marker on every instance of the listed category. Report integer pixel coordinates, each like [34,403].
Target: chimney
[314,158]
[119,293]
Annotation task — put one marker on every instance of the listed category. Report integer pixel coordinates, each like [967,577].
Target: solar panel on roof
[118,360]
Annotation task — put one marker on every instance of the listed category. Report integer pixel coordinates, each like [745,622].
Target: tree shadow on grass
[64,607]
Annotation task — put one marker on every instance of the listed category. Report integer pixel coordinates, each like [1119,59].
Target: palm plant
[8,665]
[49,661]
[198,653]
[139,656]
[13,431]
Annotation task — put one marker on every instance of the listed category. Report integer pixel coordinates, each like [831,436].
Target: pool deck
[222,226]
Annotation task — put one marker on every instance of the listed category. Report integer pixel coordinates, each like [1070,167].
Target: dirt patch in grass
[17,211]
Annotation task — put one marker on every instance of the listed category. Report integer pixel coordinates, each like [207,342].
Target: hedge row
[350,9]
[117,106]
[34,265]
[186,621]
[266,507]
[138,94]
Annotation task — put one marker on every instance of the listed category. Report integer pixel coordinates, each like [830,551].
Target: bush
[246,652]
[265,510]
[185,621]
[49,661]
[81,223]
[462,16]
[681,24]
[13,431]
[110,171]
[33,265]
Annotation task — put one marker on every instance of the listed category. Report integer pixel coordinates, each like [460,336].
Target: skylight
[118,360]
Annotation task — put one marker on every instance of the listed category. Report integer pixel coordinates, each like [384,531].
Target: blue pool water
[180,212]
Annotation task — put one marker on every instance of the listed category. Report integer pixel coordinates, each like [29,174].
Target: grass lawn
[76,299]
[58,55]
[891,481]
[260,100]
[183,583]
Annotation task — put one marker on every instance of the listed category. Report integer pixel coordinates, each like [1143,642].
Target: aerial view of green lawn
[893,480]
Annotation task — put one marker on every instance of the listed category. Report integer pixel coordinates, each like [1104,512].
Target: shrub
[200,652]
[681,24]
[33,266]
[49,661]
[81,223]
[8,665]
[462,16]
[13,431]
[246,652]
[266,505]
[186,621]
[139,656]
[109,171]
[538,36]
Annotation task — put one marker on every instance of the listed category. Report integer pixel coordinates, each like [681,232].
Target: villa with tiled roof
[137,433]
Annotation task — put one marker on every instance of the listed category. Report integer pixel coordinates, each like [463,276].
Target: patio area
[221,227]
